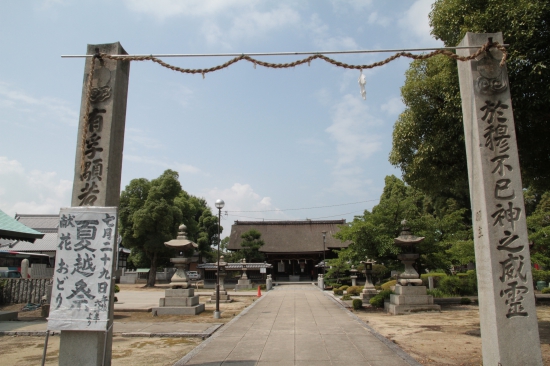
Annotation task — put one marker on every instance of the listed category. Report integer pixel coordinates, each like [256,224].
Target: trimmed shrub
[387,285]
[378,300]
[117,289]
[546,290]
[465,301]
[539,275]
[465,285]
[437,293]
[437,277]
[337,291]
[354,290]
[346,297]
[263,287]
[357,304]
[343,288]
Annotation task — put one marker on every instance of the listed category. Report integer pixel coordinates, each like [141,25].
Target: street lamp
[219,206]
[324,251]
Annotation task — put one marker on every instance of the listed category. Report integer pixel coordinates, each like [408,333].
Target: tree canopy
[428,142]
[251,245]
[444,229]
[150,213]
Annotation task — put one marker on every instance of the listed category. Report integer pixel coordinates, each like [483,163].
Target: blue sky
[260,139]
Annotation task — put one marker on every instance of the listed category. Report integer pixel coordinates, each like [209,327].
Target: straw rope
[486,47]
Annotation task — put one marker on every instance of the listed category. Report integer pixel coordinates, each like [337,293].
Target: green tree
[428,137]
[149,215]
[428,142]
[373,234]
[337,268]
[251,245]
[538,225]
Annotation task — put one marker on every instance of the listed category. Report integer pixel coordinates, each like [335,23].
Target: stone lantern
[180,299]
[407,242]
[353,275]
[181,244]
[410,295]
[369,291]
[243,283]
[224,297]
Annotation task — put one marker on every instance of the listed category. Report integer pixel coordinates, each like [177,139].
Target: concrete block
[181,301]
[179,292]
[411,300]
[187,310]
[410,290]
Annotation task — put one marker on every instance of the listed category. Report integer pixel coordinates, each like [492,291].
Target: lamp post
[219,205]
[324,251]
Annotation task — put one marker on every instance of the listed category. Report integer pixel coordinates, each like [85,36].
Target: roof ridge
[297,222]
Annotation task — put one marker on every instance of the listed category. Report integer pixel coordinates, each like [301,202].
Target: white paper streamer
[362,82]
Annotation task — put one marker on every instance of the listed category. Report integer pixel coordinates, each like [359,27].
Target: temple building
[293,248]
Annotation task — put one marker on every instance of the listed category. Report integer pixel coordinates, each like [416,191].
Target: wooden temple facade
[293,248]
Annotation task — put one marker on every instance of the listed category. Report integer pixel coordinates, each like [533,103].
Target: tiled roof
[235,266]
[290,236]
[46,224]
[39,221]
[12,229]
[47,243]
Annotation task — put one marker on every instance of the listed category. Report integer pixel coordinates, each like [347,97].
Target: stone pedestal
[410,299]
[353,280]
[179,302]
[180,279]
[368,293]
[224,297]
[410,276]
[321,282]
[268,283]
[243,285]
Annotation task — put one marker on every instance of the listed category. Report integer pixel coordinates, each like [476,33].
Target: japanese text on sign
[84,264]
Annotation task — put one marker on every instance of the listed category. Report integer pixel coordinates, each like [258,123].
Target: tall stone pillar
[509,328]
[97,177]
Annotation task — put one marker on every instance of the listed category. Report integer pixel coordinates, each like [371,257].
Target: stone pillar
[321,281]
[431,283]
[509,328]
[98,184]
[268,283]
[25,268]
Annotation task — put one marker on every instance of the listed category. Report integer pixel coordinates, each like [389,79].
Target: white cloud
[349,129]
[241,197]
[163,9]
[325,40]
[393,106]
[36,108]
[141,138]
[179,167]
[415,23]
[31,192]
[356,5]
[377,19]
[223,22]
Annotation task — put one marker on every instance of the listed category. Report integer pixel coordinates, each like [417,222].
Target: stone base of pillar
[224,298]
[368,294]
[243,285]
[179,302]
[410,299]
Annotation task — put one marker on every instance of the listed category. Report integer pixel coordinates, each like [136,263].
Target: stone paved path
[297,325]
